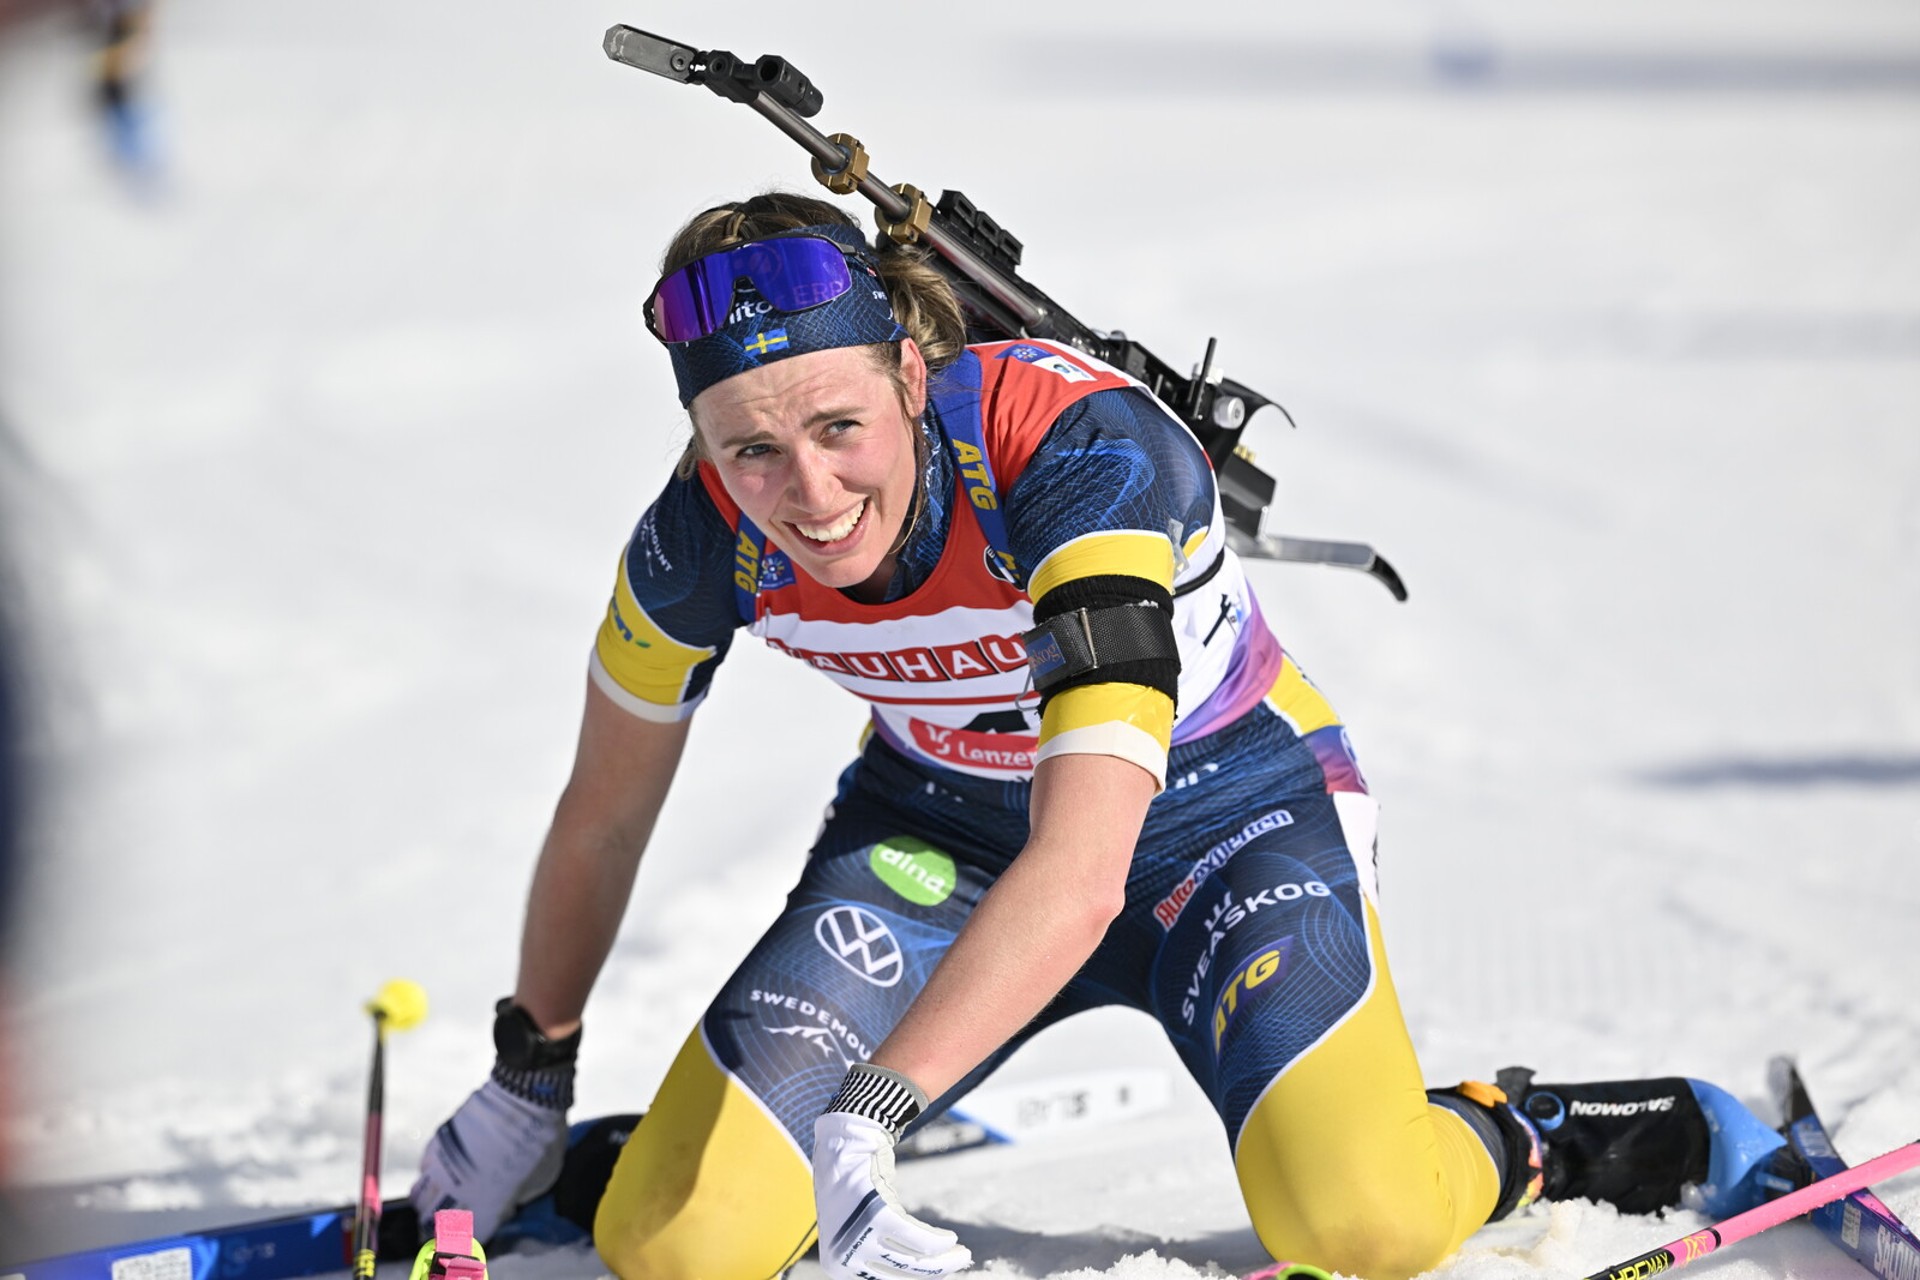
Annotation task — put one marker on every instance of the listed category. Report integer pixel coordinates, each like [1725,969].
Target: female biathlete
[1093,777]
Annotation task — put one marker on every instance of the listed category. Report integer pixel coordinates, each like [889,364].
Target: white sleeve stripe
[1112,738]
[603,680]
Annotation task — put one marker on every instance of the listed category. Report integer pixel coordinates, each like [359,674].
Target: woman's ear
[913,369]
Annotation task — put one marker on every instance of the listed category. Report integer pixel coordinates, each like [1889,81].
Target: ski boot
[1635,1144]
[1510,1137]
[453,1253]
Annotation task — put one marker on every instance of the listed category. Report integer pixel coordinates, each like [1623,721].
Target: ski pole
[398,1004]
[1771,1214]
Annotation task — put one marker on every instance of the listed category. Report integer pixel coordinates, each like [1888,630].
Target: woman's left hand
[864,1233]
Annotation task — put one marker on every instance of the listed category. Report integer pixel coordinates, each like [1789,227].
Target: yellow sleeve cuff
[659,713]
[1129,552]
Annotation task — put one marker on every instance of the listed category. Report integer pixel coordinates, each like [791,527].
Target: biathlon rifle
[981,260]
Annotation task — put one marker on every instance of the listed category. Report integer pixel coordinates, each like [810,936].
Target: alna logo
[913,869]
[862,943]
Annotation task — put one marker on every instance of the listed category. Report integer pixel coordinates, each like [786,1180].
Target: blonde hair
[920,296]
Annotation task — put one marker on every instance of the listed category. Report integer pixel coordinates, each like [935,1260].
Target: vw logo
[861,941]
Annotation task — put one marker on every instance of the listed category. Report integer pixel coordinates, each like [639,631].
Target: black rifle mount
[981,259]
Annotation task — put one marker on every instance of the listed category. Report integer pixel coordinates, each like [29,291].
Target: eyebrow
[755,437]
[835,414]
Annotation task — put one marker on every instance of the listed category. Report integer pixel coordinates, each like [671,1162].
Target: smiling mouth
[829,533]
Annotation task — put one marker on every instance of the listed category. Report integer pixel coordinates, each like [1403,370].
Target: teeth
[837,530]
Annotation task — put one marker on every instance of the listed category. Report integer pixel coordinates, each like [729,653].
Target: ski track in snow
[1602,324]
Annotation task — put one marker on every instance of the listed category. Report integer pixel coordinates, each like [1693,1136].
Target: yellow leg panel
[708,1188]
[1344,1162]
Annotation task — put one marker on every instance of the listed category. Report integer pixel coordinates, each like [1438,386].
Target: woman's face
[818,452]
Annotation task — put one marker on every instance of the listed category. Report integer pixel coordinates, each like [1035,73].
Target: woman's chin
[842,565]
[838,572]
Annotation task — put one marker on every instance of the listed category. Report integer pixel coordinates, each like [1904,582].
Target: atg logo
[861,941]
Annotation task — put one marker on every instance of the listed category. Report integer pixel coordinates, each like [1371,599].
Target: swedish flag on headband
[771,340]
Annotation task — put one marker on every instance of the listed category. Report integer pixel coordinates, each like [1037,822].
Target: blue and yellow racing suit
[1250,931]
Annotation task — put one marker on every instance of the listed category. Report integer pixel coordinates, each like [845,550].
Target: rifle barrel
[889,202]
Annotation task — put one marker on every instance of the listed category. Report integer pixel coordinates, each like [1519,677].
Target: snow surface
[1601,320]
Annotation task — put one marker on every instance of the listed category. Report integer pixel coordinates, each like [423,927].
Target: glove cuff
[520,1043]
[551,1088]
[530,1066]
[885,1097]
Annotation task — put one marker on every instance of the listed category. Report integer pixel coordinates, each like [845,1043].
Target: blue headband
[759,335]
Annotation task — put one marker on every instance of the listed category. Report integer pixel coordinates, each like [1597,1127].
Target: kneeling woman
[1017,557]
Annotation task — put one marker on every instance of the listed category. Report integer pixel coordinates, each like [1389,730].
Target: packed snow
[1601,321]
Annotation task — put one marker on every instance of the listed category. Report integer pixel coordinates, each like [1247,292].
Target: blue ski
[318,1241]
[302,1244]
[1860,1225]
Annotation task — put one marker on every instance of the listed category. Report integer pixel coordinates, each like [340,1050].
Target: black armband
[1108,629]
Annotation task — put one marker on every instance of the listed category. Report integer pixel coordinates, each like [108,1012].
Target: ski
[1861,1225]
[319,1241]
[301,1244]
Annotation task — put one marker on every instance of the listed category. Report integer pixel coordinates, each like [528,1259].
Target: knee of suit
[1346,1164]
[1380,1250]
[709,1187]
[1352,1210]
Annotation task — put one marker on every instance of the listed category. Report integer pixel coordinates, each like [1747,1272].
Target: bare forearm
[574,909]
[1034,929]
[621,774]
[1023,943]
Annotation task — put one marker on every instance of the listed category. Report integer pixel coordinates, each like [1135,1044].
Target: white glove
[496,1153]
[864,1233]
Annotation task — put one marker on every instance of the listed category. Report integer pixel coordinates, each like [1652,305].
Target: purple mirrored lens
[792,273]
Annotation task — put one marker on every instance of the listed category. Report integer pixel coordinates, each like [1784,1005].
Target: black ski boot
[1632,1143]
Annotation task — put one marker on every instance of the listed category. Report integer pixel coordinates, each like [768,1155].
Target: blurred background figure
[116,34]
[121,28]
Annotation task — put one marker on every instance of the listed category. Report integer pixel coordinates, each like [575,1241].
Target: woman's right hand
[494,1154]
[506,1143]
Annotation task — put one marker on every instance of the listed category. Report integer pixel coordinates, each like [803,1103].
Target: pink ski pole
[1771,1214]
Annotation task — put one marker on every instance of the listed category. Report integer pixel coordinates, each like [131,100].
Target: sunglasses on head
[791,273]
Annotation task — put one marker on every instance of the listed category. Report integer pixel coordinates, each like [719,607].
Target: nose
[810,481]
